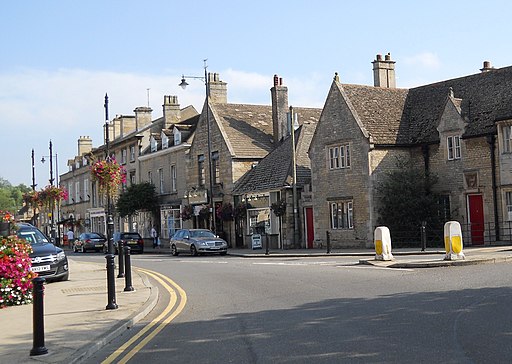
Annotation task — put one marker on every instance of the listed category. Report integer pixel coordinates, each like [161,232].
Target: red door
[476,219]
[310,230]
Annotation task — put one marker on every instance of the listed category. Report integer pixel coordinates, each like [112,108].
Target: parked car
[89,241]
[131,239]
[197,241]
[48,261]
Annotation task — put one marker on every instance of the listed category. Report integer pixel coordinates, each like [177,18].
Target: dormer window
[154,144]
[453,145]
[177,136]
[165,141]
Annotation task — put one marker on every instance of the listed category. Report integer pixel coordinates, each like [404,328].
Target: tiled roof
[248,128]
[485,98]
[379,109]
[275,170]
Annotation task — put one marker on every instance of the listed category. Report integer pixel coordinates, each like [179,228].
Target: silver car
[197,241]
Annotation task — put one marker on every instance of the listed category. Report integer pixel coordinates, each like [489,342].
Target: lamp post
[51,180]
[111,283]
[184,85]
[34,220]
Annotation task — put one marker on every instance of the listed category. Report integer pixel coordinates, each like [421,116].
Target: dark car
[197,241]
[132,239]
[48,261]
[89,241]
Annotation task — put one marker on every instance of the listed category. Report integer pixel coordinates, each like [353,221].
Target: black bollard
[120,259]
[266,244]
[423,235]
[128,277]
[328,233]
[111,283]
[38,318]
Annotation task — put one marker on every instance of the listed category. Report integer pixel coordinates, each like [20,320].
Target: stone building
[458,129]
[241,136]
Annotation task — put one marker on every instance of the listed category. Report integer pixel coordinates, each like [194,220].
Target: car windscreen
[93,236]
[201,234]
[131,236]
[32,236]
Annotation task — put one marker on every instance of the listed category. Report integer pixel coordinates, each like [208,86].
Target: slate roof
[411,116]
[275,170]
[485,98]
[248,129]
[379,109]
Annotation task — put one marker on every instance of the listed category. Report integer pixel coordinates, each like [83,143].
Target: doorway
[310,229]
[476,219]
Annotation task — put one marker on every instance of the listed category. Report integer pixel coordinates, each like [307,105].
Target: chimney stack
[487,67]
[279,94]
[384,72]
[217,89]
[84,145]
[142,116]
[172,112]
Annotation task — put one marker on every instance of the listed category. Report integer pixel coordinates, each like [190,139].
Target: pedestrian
[154,235]
[71,237]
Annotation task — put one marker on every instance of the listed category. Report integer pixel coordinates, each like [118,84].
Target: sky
[59,58]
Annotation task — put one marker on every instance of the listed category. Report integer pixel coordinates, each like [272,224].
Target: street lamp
[184,85]
[52,224]
[111,283]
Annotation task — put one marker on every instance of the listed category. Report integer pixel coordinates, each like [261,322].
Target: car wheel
[174,251]
[193,250]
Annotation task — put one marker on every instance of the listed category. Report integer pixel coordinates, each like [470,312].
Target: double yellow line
[162,320]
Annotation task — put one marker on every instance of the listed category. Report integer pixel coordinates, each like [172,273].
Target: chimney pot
[379,57]
[487,67]
[388,57]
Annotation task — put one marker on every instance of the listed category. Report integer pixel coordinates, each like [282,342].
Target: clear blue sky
[59,58]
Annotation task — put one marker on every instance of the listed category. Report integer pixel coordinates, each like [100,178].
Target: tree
[141,196]
[406,199]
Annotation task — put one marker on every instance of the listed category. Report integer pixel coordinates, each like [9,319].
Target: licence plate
[40,268]
[99,245]
[132,243]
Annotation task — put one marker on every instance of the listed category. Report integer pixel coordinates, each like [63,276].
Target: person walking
[154,235]
[71,237]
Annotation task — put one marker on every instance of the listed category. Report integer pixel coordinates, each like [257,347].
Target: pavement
[77,323]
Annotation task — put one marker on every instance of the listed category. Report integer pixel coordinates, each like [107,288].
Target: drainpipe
[491,139]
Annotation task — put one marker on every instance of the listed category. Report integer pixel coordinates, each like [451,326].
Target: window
[508,198]
[339,157]
[507,147]
[161,180]
[453,145]
[215,167]
[123,156]
[341,215]
[177,137]
[132,153]
[150,177]
[132,178]
[154,144]
[173,179]
[444,208]
[165,141]
[200,170]
[87,196]
[70,193]
[77,192]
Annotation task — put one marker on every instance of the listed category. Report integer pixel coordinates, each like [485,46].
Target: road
[324,310]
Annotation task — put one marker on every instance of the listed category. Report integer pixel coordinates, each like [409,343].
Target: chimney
[172,113]
[217,89]
[279,94]
[487,67]
[142,116]
[84,145]
[384,72]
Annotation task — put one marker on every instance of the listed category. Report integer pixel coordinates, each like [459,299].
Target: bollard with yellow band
[453,243]
[382,239]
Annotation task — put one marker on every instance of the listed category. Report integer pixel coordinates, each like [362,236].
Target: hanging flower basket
[225,212]
[109,175]
[204,213]
[50,196]
[31,198]
[187,212]
[241,210]
[279,207]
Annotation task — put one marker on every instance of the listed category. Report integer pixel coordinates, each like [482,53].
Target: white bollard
[453,243]
[382,240]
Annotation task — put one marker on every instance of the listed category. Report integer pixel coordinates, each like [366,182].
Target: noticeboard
[256,241]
